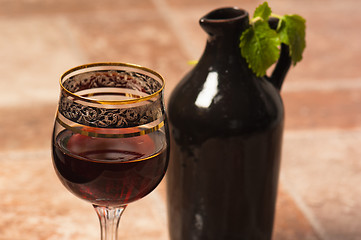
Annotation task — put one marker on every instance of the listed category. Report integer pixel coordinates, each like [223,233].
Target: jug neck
[222,53]
[224,26]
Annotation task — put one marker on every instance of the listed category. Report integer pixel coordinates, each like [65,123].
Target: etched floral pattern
[123,79]
[108,117]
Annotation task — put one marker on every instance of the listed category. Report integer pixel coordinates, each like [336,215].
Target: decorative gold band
[113,132]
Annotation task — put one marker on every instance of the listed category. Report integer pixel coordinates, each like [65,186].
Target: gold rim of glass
[109,64]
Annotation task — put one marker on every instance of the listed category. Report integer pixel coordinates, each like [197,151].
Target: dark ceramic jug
[226,133]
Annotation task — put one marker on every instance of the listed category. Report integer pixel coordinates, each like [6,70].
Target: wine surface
[110,171]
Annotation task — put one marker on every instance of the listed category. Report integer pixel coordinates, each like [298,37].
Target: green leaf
[262,11]
[260,47]
[292,33]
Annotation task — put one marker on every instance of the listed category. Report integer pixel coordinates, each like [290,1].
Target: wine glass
[110,143]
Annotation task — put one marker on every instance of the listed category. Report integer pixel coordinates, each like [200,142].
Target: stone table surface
[319,195]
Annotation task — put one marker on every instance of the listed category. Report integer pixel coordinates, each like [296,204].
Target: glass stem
[109,221]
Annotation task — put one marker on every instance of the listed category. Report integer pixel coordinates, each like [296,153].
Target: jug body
[226,135]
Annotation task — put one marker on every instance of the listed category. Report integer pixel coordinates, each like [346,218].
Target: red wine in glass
[110,171]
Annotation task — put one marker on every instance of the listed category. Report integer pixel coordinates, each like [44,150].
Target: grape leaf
[260,47]
[260,44]
[262,11]
[292,33]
